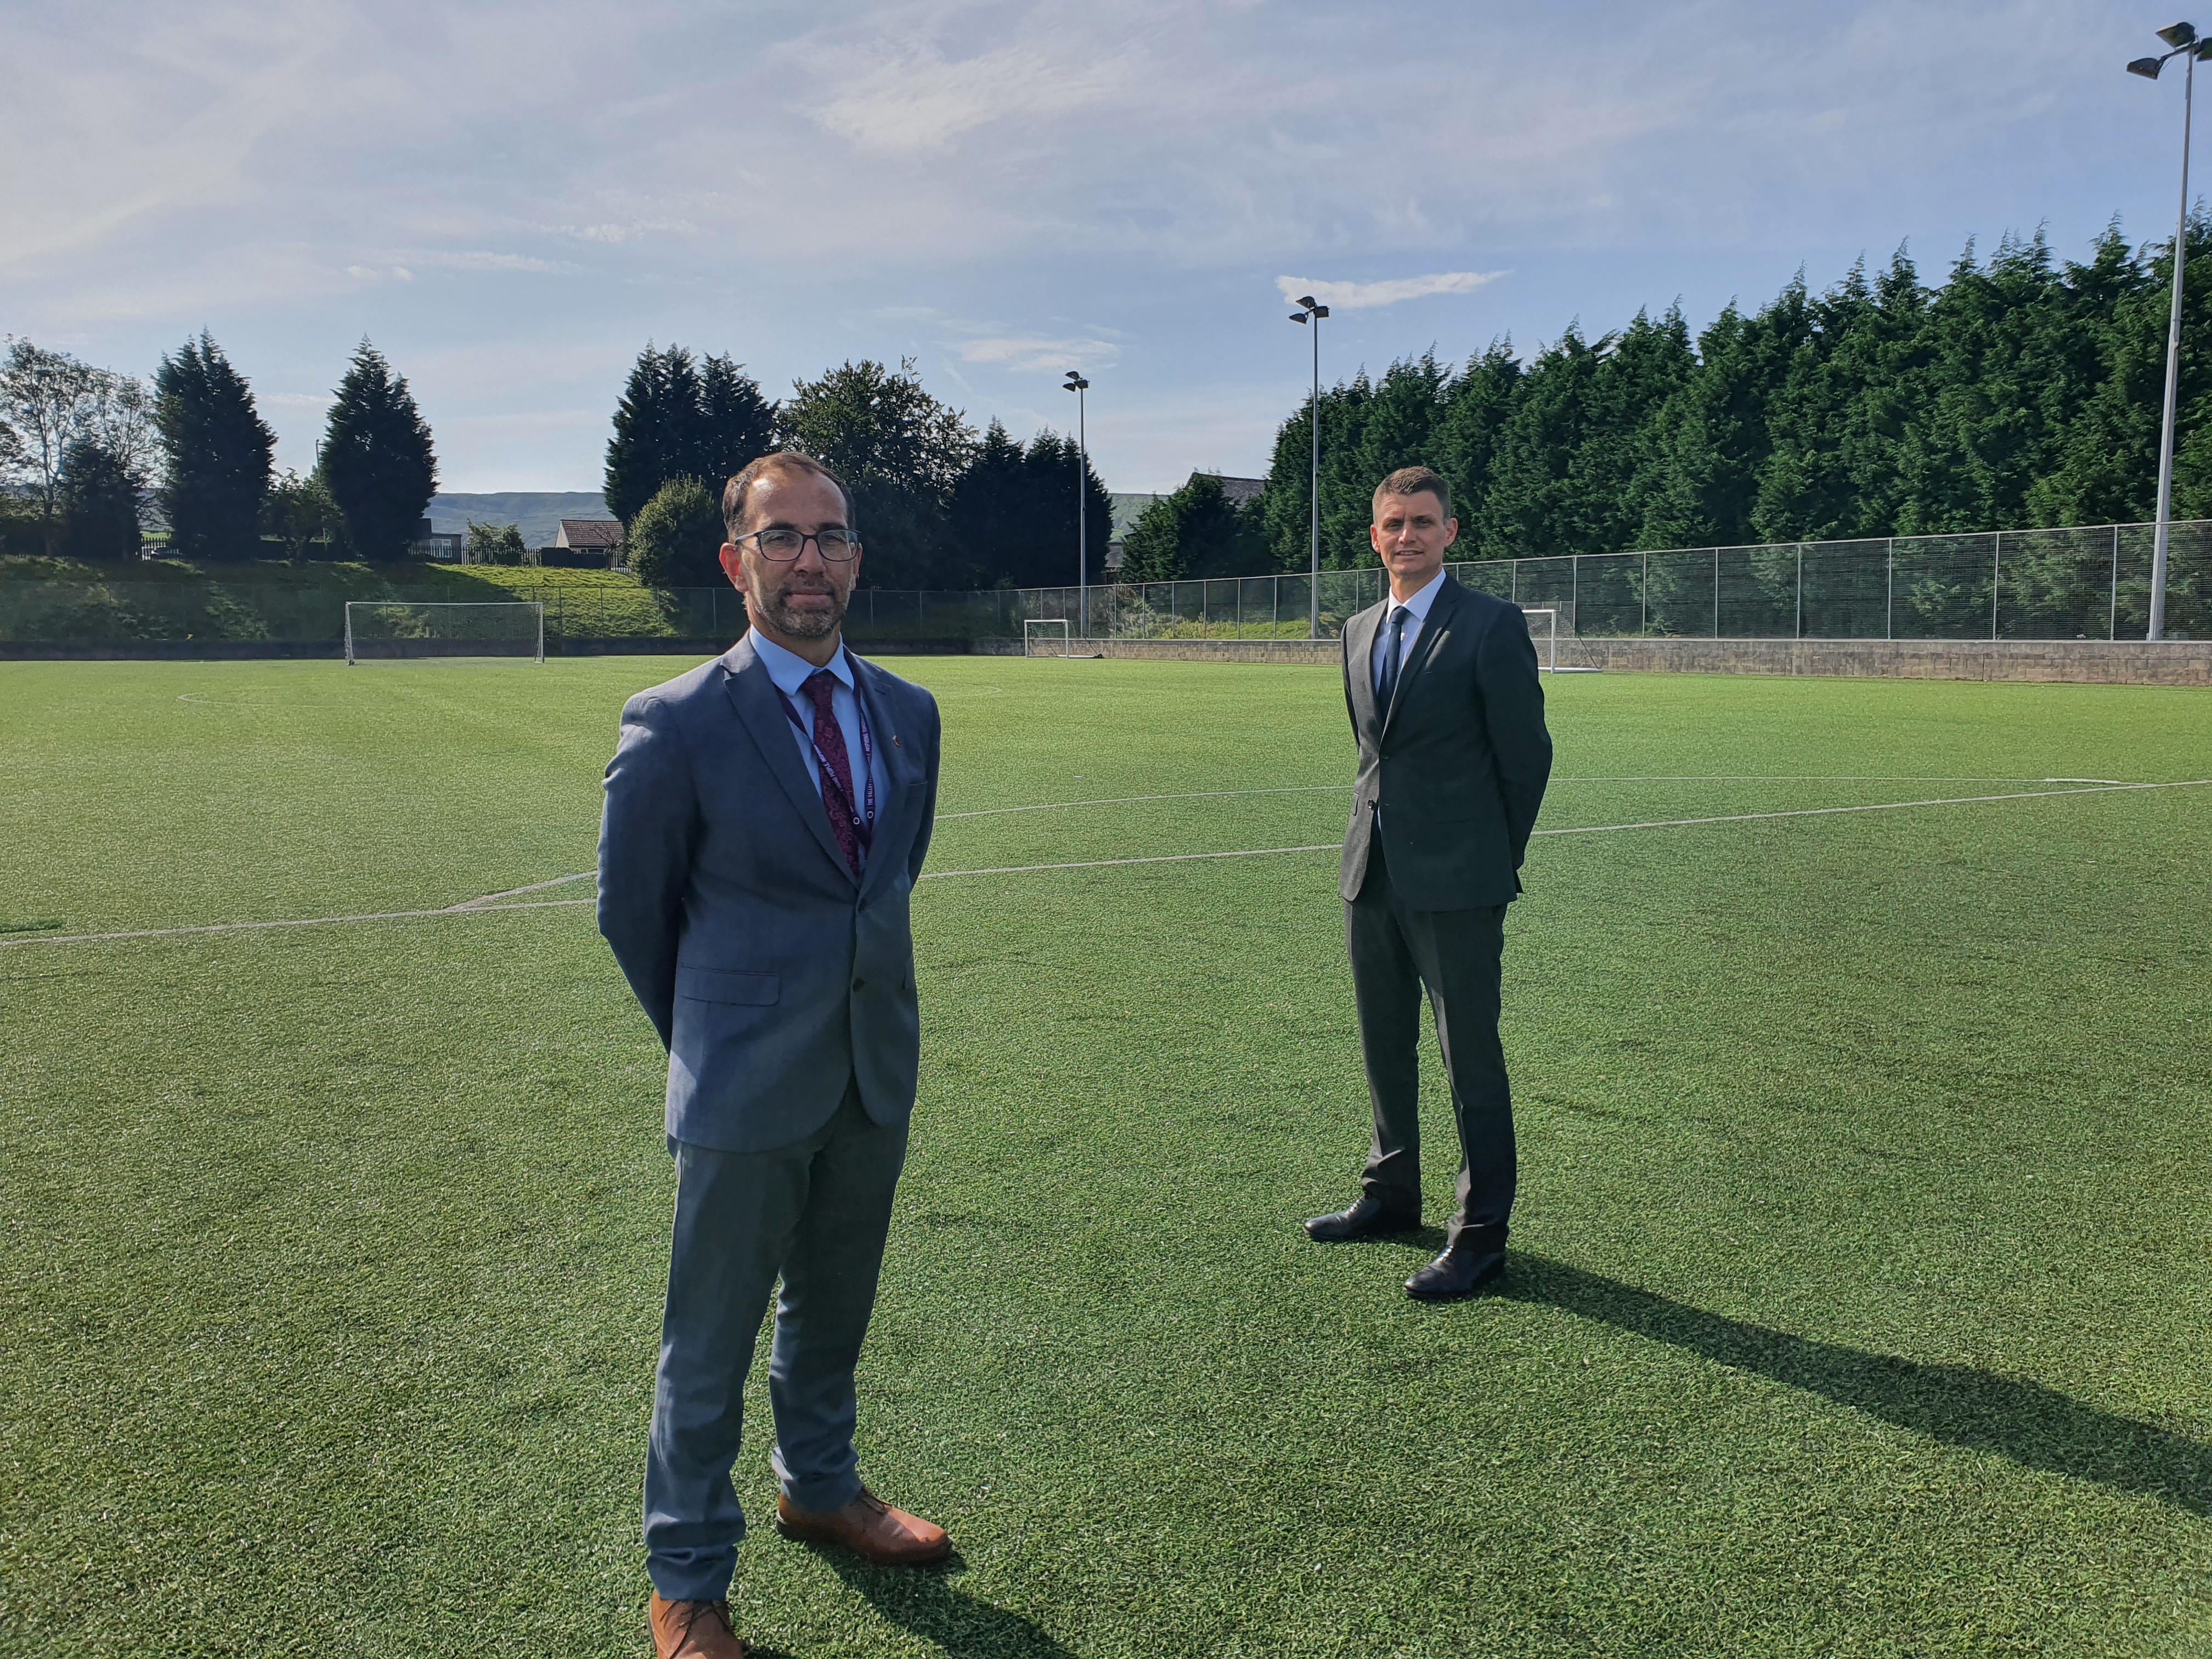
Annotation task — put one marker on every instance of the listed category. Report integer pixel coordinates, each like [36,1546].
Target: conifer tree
[734,425]
[219,453]
[100,498]
[378,462]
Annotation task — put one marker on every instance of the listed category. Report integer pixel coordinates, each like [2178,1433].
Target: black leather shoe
[1370,1217]
[1469,1262]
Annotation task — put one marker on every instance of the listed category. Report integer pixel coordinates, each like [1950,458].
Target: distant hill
[537,513]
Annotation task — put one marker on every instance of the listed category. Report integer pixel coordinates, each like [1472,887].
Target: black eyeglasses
[785,545]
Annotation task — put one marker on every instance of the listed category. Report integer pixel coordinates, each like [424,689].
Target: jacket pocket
[721,985]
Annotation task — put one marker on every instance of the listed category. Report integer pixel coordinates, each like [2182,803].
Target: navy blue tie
[1394,646]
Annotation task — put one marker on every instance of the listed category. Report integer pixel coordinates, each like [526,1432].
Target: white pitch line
[1877,806]
[1690,777]
[534,887]
[294,921]
[481,907]
[1581,829]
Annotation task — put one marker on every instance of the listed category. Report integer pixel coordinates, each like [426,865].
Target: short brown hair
[784,460]
[1414,481]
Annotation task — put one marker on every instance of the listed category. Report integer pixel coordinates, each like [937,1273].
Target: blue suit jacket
[773,976]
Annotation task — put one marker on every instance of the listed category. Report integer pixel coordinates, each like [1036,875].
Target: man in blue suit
[767,816]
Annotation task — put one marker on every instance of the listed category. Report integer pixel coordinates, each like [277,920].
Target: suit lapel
[752,694]
[1360,666]
[901,774]
[1433,627]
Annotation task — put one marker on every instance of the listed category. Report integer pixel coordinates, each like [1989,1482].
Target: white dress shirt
[791,672]
[1418,605]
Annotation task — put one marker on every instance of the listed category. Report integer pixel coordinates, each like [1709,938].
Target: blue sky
[510,199]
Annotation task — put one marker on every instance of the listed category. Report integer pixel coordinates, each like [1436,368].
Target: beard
[804,622]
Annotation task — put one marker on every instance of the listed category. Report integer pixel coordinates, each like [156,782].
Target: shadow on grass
[924,1602]
[2034,1426]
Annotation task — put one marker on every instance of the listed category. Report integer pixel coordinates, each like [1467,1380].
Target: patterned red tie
[838,787]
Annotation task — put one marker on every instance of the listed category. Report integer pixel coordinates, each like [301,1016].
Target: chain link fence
[2091,583]
[2084,583]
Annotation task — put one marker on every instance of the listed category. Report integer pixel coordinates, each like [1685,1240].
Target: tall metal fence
[2089,583]
[2084,583]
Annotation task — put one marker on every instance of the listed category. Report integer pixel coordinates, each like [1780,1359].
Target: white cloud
[1361,296]
[1028,353]
[915,99]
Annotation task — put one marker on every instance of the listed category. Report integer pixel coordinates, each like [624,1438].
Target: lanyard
[865,830]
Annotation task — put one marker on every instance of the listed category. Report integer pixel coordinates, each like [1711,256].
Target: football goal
[1049,631]
[1544,632]
[444,628]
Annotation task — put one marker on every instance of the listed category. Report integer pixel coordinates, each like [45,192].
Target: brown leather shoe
[694,1629]
[871,1529]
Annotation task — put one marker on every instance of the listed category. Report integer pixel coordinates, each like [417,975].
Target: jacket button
[858,983]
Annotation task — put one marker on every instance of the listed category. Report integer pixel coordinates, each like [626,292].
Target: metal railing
[2081,583]
[2089,583]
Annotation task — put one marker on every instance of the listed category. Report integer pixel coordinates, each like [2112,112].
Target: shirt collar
[790,671]
[1418,605]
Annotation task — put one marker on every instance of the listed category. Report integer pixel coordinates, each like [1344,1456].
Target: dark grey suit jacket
[1457,763]
[771,975]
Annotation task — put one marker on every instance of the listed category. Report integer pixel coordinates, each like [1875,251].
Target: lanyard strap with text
[866,830]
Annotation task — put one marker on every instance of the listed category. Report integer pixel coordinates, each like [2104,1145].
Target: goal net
[1544,634]
[1544,630]
[1044,636]
[456,628]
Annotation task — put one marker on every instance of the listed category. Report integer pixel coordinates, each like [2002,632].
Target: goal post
[444,628]
[1035,629]
[1544,633]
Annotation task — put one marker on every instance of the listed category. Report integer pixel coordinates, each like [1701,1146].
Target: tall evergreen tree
[101,494]
[219,453]
[1533,502]
[656,435]
[1476,405]
[378,462]
[734,424]
[989,516]
[1050,470]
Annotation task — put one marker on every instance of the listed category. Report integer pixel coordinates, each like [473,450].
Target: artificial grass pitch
[1858,1299]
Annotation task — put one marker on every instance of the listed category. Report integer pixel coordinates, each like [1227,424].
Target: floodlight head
[1297,316]
[1308,302]
[2178,35]
[2203,49]
[1321,311]
[2146,67]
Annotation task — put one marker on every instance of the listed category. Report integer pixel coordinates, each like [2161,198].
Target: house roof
[1239,490]
[591,532]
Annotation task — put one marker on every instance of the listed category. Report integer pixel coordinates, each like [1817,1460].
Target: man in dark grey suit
[766,815]
[1441,684]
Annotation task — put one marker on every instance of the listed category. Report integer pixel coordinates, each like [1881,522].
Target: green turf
[1860,1301]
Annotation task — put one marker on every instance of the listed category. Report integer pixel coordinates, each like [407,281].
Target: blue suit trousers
[816,1212]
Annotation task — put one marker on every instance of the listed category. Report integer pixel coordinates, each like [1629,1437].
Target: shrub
[676,540]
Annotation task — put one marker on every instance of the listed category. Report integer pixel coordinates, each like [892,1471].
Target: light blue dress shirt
[1418,605]
[791,672]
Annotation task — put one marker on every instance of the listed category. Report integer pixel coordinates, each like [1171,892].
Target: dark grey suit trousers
[816,1212]
[1395,951]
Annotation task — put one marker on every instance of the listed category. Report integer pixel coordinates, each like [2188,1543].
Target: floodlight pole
[1079,385]
[2182,38]
[1313,313]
